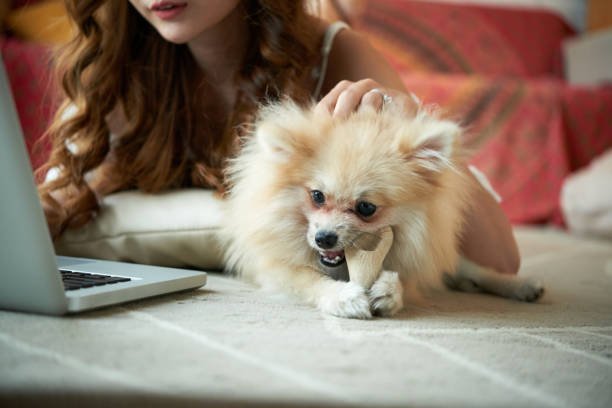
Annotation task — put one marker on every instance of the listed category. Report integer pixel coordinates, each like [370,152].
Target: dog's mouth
[332,259]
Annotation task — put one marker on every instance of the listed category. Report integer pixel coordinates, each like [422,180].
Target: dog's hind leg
[471,277]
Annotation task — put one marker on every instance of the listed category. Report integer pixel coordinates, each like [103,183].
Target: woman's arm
[487,236]
[354,70]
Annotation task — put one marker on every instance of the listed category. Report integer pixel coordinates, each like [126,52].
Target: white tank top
[328,41]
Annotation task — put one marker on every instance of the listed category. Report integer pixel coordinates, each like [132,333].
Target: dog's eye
[317,197]
[365,209]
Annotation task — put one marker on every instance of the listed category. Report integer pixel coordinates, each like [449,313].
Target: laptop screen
[27,259]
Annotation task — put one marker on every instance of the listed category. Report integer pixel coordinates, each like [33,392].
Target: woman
[157,93]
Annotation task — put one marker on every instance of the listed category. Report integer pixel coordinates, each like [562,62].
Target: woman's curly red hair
[116,59]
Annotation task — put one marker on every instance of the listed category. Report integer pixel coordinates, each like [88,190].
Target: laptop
[34,279]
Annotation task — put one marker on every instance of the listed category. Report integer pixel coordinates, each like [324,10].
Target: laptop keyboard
[78,280]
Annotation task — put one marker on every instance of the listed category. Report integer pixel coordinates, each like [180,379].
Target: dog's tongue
[333,254]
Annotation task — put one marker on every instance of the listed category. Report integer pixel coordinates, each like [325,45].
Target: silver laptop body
[30,277]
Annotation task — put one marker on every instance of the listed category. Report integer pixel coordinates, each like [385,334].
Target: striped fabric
[497,72]
[451,38]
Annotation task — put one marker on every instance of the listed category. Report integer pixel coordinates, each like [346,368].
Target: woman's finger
[328,103]
[350,98]
[347,97]
[375,98]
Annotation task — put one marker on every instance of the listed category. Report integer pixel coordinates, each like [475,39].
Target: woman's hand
[347,97]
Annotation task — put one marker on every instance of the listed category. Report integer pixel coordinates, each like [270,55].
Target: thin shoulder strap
[328,41]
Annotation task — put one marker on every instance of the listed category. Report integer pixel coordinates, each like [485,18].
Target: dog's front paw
[529,291]
[386,295]
[349,301]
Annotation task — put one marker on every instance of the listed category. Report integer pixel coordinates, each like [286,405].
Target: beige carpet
[231,345]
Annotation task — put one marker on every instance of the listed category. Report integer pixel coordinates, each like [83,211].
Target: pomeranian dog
[306,187]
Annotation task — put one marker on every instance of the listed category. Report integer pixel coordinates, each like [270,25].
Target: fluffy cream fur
[410,168]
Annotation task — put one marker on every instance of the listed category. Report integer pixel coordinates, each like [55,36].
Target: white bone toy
[365,258]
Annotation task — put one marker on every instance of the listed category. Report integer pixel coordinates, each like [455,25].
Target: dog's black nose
[326,239]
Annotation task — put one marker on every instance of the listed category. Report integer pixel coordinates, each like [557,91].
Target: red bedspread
[498,71]
[526,135]
[459,38]
[28,67]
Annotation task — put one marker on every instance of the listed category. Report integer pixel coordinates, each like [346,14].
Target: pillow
[419,36]
[177,228]
[586,199]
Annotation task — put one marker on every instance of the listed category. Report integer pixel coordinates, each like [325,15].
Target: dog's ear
[285,131]
[431,144]
[277,142]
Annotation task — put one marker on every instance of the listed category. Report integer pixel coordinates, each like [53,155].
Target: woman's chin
[176,36]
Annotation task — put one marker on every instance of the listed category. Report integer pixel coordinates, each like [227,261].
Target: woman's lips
[167,10]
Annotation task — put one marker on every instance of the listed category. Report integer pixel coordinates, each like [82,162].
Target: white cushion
[177,228]
[586,198]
